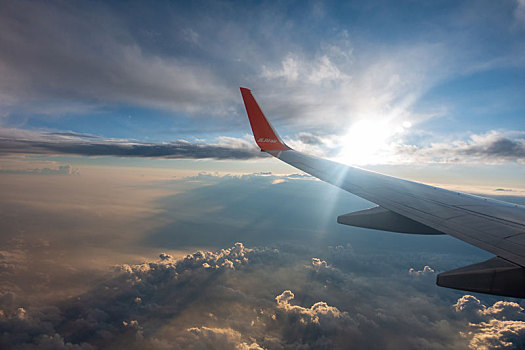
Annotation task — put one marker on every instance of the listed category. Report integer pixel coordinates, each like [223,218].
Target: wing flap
[434,207]
[379,218]
[495,276]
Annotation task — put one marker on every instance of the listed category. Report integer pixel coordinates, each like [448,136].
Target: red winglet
[266,138]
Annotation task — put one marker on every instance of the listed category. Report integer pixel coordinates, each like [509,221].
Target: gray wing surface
[411,207]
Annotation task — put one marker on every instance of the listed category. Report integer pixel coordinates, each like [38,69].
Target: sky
[137,212]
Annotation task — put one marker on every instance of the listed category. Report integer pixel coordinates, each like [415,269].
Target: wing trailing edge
[495,276]
[378,218]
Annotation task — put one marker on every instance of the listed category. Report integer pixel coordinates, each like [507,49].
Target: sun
[370,141]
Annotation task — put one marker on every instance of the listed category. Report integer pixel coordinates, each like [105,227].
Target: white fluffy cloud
[500,326]
[217,338]
[427,271]
[226,299]
[519,12]
[318,313]
[121,310]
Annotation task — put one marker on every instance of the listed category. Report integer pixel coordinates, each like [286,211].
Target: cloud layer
[14,141]
[499,326]
[301,280]
[124,310]
[491,147]
[227,299]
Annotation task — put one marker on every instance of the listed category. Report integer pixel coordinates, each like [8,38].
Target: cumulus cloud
[15,141]
[226,299]
[498,334]
[306,294]
[318,326]
[427,271]
[110,313]
[470,304]
[317,313]
[499,326]
[318,264]
[218,338]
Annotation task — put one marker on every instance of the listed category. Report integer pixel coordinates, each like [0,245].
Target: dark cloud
[499,147]
[489,147]
[78,144]
[481,148]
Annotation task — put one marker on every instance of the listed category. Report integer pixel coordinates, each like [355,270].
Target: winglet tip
[265,136]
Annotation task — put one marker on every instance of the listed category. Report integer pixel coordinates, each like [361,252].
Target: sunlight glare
[370,142]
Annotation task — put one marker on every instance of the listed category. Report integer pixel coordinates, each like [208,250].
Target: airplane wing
[411,207]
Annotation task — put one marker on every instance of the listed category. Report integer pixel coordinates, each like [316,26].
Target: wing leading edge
[411,207]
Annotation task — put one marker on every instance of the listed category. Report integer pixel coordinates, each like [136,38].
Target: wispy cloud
[95,56]
[334,87]
[519,12]
[89,58]
[64,170]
